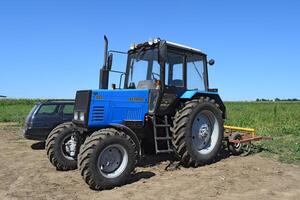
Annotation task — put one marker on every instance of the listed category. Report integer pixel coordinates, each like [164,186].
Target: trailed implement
[240,139]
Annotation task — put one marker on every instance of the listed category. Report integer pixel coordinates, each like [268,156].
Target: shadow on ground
[38,146]
[152,160]
[140,175]
[173,162]
[170,161]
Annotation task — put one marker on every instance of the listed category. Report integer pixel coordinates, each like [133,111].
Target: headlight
[75,115]
[132,46]
[150,41]
[81,116]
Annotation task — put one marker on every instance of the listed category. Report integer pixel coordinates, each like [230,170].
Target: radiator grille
[82,100]
[98,113]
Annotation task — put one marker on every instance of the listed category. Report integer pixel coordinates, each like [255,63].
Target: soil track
[25,173]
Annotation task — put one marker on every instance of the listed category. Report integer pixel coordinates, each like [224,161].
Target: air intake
[98,113]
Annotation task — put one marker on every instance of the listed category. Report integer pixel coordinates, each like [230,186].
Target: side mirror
[109,61]
[211,62]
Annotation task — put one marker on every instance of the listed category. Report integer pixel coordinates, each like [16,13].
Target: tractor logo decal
[136,99]
[99,97]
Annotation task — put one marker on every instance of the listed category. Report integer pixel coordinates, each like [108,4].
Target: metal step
[162,125]
[164,151]
[165,138]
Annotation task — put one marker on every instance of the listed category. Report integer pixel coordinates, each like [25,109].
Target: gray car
[45,116]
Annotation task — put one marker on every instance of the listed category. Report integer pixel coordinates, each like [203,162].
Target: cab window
[195,72]
[174,70]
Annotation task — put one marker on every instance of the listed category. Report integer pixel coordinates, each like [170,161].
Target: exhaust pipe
[103,76]
[105,52]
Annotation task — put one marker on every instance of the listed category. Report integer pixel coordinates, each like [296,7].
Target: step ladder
[166,137]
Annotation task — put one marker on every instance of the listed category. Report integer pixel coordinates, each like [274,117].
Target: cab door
[174,82]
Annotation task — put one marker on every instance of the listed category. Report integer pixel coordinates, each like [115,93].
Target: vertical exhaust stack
[104,72]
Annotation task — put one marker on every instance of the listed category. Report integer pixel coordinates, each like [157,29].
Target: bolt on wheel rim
[205,132]
[112,161]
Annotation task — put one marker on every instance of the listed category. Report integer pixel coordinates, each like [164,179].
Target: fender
[131,134]
[192,94]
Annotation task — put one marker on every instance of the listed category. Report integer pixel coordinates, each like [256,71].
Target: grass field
[15,110]
[281,120]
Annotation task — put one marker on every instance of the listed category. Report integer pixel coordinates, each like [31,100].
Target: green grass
[281,120]
[15,110]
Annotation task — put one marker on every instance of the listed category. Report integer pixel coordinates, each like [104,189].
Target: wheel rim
[69,147]
[112,161]
[205,132]
[237,146]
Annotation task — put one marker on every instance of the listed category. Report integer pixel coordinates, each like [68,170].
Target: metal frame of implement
[248,135]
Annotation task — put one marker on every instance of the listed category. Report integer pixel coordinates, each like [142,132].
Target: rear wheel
[107,158]
[62,146]
[198,132]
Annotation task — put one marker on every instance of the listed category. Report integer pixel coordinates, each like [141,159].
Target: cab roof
[156,42]
[180,46]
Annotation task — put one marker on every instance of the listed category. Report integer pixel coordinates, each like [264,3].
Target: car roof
[57,102]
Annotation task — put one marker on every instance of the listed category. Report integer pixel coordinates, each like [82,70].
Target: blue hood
[116,106]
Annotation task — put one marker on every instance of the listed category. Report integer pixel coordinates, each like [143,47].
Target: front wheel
[62,146]
[107,158]
[198,132]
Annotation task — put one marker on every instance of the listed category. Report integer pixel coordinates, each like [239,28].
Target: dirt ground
[26,173]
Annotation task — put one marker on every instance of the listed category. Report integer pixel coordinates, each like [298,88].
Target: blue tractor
[163,102]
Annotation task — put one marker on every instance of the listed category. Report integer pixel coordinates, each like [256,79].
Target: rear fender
[194,94]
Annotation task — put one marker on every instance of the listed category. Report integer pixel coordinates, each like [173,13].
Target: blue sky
[50,49]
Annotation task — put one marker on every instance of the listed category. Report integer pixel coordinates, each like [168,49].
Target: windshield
[117,72]
[144,69]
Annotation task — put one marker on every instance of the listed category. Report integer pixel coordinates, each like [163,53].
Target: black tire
[54,147]
[90,154]
[236,149]
[182,137]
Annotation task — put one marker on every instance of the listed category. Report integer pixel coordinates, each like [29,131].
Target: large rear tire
[198,132]
[62,147]
[107,158]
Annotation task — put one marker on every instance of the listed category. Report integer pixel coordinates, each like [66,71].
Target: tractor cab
[167,70]
[160,64]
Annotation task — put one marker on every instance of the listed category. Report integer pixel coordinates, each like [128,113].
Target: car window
[48,109]
[68,109]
